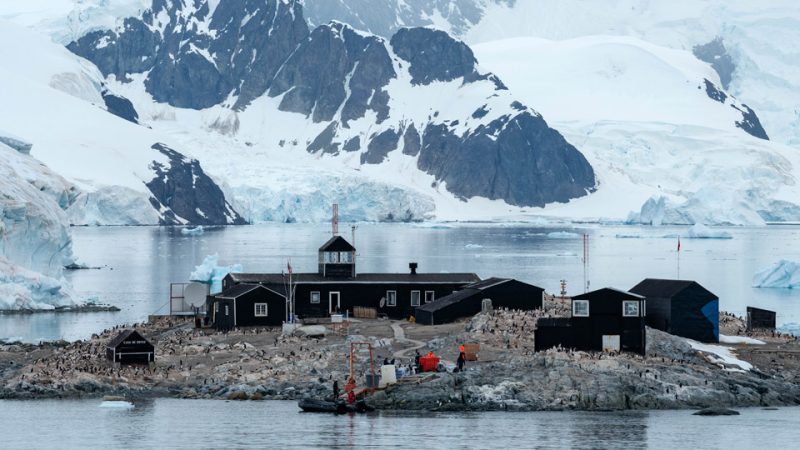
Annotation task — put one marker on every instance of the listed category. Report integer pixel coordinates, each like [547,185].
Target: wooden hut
[606,319]
[466,302]
[760,319]
[130,347]
[246,305]
[681,307]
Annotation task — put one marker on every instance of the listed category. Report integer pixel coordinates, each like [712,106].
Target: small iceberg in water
[783,274]
[473,246]
[700,231]
[113,401]
[563,235]
[197,231]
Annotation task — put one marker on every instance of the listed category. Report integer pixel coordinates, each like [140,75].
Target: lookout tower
[337,259]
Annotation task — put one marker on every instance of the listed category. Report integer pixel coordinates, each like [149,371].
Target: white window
[331,257]
[429,296]
[630,308]
[345,257]
[391,298]
[315,297]
[261,310]
[226,310]
[644,308]
[414,298]
[580,308]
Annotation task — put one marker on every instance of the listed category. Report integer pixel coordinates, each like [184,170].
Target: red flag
[289,265]
[679,244]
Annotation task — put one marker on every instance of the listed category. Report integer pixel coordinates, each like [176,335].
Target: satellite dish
[195,294]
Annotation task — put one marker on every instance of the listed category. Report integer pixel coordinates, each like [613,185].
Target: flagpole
[679,257]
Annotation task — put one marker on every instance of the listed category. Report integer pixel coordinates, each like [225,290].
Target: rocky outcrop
[715,54]
[120,107]
[518,159]
[749,123]
[183,193]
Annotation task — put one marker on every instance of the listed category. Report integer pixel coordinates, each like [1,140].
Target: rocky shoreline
[262,364]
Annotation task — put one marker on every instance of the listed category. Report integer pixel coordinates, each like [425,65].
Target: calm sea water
[214,424]
[140,262]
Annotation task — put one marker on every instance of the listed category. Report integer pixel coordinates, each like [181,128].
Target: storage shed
[681,307]
[760,319]
[606,319]
[247,305]
[130,347]
[503,292]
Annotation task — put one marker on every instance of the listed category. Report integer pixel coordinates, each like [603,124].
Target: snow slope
[54,98]
[760,38]
[643,117]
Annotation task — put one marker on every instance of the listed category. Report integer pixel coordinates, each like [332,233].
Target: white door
[611,343]
[333,302]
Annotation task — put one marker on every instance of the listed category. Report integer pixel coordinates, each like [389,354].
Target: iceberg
[211,273]
[783,274]
[563,235]
[196,231]
[700,231]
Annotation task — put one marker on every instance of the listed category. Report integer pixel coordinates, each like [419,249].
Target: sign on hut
[130,347]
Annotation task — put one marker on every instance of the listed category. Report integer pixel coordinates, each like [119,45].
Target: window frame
[393,301]
[433,296]
[631,302]
[311,297]
[582,302]
[419,298]
[266,310]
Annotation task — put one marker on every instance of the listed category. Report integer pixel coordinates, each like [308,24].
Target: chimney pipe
[413,267]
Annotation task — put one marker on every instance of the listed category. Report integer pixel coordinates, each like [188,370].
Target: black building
[606,319]
[681,307]
[130,347]
[337,286]
[503,292]
[760,319]
[246,305]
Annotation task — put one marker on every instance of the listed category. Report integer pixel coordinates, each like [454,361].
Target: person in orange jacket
[462,357]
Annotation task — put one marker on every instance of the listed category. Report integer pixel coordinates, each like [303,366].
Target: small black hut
[130,347]
[606,319]
[503,292]
[681,307]
[245,305]
[760,319]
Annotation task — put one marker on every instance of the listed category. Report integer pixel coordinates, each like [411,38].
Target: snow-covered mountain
[667,142]
[414,111]
[125,173]
[670,102]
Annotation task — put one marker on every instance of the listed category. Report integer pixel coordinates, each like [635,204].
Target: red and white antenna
[335,220]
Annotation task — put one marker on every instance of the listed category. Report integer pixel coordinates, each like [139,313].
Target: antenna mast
[335,220]
[585,261]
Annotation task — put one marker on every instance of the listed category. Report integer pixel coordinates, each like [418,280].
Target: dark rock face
[434,55]
[197,69]
[518,159]
[749,123]
[717,55]
[336,59]
[411,141]
[120,107]
[380,146]
[182,190]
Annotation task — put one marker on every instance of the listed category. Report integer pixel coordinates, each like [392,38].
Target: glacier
[35,240]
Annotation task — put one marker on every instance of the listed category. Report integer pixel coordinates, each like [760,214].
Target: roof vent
[413,266]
